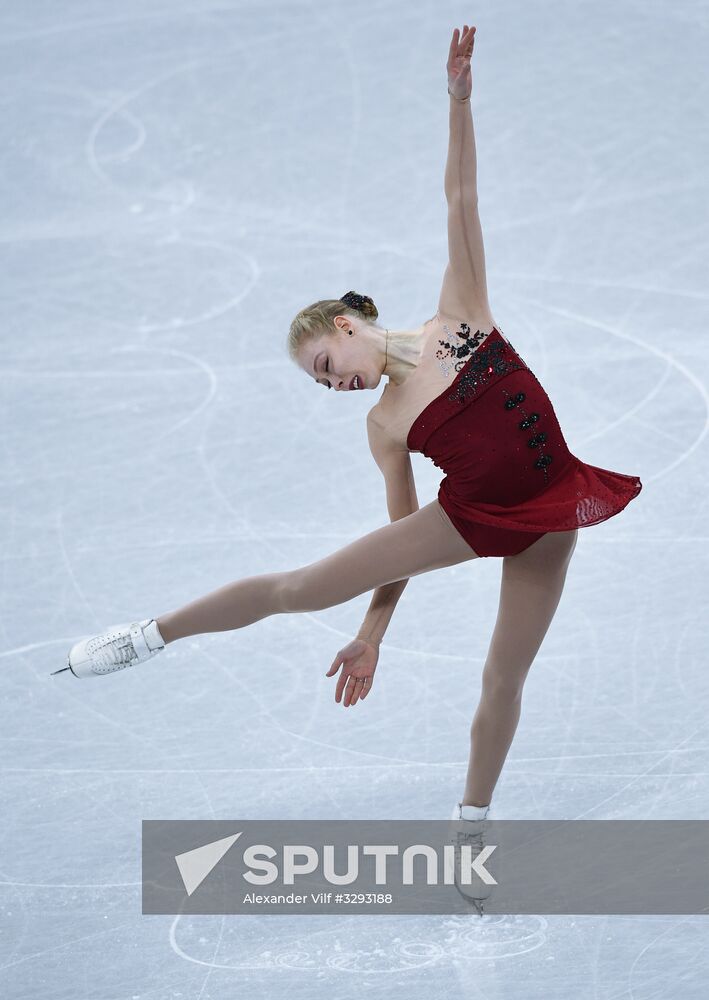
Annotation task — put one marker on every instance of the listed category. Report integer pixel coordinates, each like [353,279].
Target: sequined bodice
[494,433]
[493,430]
[493,358]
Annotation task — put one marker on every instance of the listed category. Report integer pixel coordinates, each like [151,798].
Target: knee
[501,686]
[288,591]
[294,594]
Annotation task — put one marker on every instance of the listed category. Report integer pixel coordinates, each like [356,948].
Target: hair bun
[362,303]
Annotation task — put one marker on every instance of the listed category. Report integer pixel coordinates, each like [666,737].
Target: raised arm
[464,291]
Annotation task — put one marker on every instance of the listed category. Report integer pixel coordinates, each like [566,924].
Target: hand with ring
[359,661]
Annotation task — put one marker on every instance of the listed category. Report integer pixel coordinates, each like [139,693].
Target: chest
[447,345]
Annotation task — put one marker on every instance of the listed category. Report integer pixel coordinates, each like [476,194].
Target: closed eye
[325,367]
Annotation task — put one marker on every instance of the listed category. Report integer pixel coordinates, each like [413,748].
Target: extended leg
[424,540]
[532,583]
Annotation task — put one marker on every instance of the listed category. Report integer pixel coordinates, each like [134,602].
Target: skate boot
[468,828]
[118,647]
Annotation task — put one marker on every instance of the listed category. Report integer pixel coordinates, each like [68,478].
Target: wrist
[373,640]
[460,100]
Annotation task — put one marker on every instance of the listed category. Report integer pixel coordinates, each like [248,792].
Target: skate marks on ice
[381,946]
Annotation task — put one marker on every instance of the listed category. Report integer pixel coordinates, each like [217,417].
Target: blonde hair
[318,318]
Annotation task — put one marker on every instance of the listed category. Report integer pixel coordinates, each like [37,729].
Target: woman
[459,393]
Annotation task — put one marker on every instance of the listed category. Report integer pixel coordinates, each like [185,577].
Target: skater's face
[348,359]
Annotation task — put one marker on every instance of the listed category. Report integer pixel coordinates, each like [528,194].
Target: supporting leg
[532,583]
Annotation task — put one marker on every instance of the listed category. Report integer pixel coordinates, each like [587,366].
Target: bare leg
[422,541]
[531,587]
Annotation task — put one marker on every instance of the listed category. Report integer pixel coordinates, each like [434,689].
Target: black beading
[528,421]
[511,403]
[469,345]
[482,364]
[535,441]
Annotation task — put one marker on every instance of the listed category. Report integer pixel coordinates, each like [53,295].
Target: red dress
[510,477]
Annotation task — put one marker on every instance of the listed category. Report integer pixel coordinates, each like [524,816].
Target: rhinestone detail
[480,364]
[538,441]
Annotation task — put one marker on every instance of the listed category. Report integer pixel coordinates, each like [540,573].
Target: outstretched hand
[460,81]
[359,661]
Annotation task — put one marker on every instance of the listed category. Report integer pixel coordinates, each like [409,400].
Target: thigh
[422,541]
[530,589]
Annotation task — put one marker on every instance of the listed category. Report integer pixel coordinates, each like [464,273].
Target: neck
[402,350]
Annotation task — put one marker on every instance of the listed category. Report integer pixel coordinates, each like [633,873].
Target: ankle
[154,635]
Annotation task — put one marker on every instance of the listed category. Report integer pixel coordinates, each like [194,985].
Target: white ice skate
[470,832]
[118,647]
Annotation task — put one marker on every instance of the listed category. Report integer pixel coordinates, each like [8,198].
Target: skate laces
[117,652]
[472,837]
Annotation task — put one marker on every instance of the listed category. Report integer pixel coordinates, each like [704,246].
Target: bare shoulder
[377,415]
[377,422]
[380,416]
[383,444]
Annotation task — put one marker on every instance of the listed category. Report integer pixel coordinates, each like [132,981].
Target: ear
[345,321]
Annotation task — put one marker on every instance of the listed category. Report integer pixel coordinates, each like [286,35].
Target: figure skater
[459,393]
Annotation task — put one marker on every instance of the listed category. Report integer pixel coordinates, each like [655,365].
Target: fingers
[353,687]
[467,41]
[335,664]
[357,688]
[461,43]
[350,691]
[453,49]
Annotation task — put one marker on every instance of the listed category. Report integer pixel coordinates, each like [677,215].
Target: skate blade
[476,904]
[60,671]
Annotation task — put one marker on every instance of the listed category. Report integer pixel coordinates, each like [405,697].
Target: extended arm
[464,291]
[401,501]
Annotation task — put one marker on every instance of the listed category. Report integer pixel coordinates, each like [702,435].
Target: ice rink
[179,179]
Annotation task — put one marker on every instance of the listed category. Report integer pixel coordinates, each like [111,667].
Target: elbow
[463,195]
